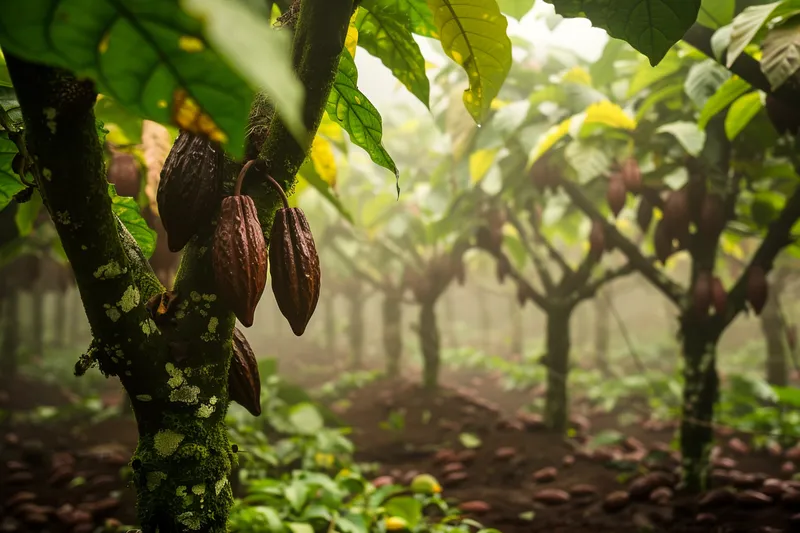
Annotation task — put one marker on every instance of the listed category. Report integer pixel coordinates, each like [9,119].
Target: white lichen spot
[175,375]
[205,411]
[149,327]
[144,397]
[210,297]
[180,491]
[186,394]
[219,485]
[130,299]
[119,353]
[189,520]
[154,479]
[108,271]
[166,442]
[203,313]
[62,217]
[84,247]
[50,114]
[114,359]
[213,400]
[113,314]
[179,314]
[213,322]
[128,373]
[195,296]
[203,250]
[47,174]
[199,490]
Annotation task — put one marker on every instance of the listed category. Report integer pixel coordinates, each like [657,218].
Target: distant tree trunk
[448,307]
[601,330]
[430,343]
[355,328]
[485,314]
[9,318]
[60,314]
[557,359]
[37,322]
[329,310]
[392,333]
[517,331]
[773,327]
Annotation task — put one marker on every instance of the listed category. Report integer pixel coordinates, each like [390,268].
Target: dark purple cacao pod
[701,293]
[719,298]
[597,240]
[631,175]
[616,194]
[757,288]
[244,383]
[644,214]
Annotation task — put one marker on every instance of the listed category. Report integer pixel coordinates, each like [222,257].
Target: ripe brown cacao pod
[644,214]
[189,189]
[616,193]
[543,175]
[124,173]
[785,118]
[676,213]
[719,298]
[662,242]
[631,175]
[239,257]
[757,288]
[597,240]
[712,217]
[701,293]
[294,265]
[244,383]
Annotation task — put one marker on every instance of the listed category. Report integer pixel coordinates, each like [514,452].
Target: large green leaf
[150,56]
[781,53]
[687,134]
[703,81]
[745,27]
[650,26]
[741,113]
[382,34]
[473,34]
[10,183]
[729,91]
[647,75]
[414,13]
[516,8]
[5,79]
[348,107]
[128,212]
[123,126]
[716,13]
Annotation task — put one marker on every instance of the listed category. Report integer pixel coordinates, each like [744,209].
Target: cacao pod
[542,175]
[123,173]
[644,214]
[712,218]
[676,213]
[785,118]
[597,240]
[662,242]
[189,189]
[632,175]
[239,257]
[244,383]
[757,288]
[701,293]
[615,195]
[719,298]
[294,265]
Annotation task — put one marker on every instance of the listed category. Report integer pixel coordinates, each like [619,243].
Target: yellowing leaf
[498,104]
[351,40]
[189,43]
[610,114]
[578,75]
[553,135]
[324,161]
[732,249]
[330,129]
[187,115]
[429,65]
[473,34]
[480,162]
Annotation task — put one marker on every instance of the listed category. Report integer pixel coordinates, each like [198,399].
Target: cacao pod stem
[275,185]
[237,191]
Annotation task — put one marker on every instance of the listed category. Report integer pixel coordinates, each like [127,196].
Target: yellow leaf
[351,40]
[187,115]
[190,44]
[610,114]
[324,161]
[553,135]
[498,104]
[429,65]
[480,162]
[578,75]
[329,129]
[732,249]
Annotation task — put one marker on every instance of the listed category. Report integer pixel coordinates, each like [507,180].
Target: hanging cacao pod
[719,298]
[597,240]
[701,293]
[294,265]
[676,213]
[189,189]
[631,175]
[239,255]
[712,218]
[785,118]
[615,194]
[662,242]
[244,383]
[757,288]
[644,214]
[543,175]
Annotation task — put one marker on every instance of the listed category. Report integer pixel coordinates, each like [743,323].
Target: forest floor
[70,477]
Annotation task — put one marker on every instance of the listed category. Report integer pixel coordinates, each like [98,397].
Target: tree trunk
[772,326]
[37,322]
[517,331]
[392,337]
[329,310]
[601,331]
[61,310]
[449,308]
[430,344]
[485,329]
[700,391]
[557,359]
[355,329]
[9,318]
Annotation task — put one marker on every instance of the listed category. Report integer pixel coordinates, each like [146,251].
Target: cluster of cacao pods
[708,291]
[244,383]
[627,179]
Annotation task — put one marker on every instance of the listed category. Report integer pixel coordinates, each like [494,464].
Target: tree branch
[590,289]
[538,264]
[537,297]
[671,290]
[61,133]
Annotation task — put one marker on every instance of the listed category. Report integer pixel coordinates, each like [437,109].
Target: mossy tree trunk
[774,329]
[175,369]
[392,332]
[557,360]
[430,344]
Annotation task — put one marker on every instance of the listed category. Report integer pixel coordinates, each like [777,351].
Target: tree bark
[9,350]
[773,328]
[601,331]
[430,344]
[37,321]
[392,333]
[557,360]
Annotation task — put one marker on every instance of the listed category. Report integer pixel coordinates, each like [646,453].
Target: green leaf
[9,103]
[311,176]
[469,440]
[650,26]
[406,507]
[647,75]
[515,8]
[727,93]
[716,13]
[5,79]
[348,107]
[146,54]
[10,183]
[781,57]
[607,437]
[741,113]
[27,213]
[258,52]
[703,81]
[381,34]
[745,27]
[473,34]
[688,135]
[123,126]
[415,13]
[305,418]
[127,210]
